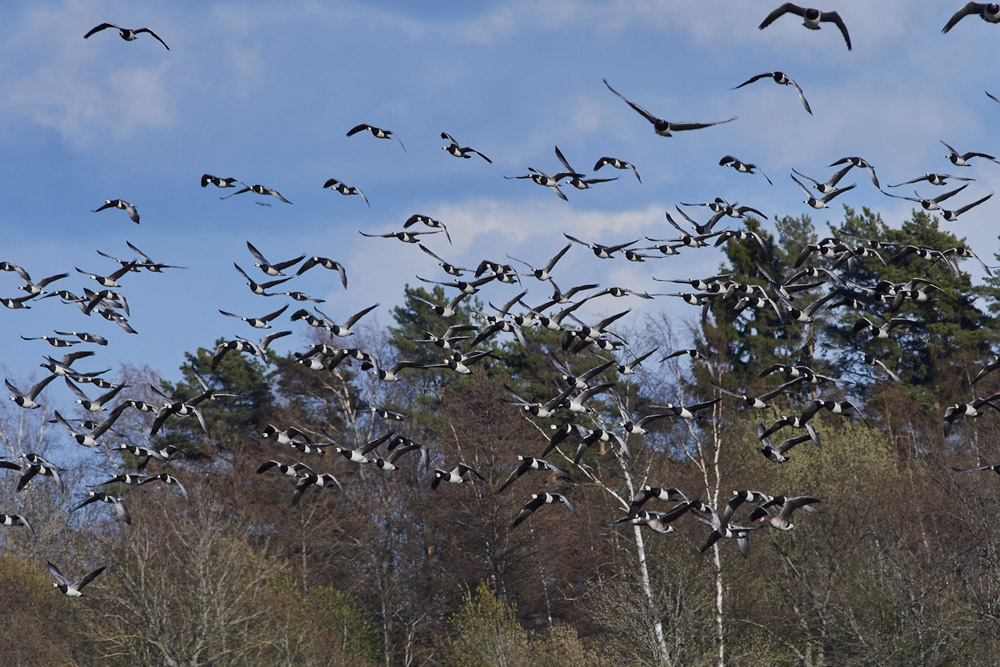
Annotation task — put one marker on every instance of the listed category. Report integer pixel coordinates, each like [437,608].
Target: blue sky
[266,91]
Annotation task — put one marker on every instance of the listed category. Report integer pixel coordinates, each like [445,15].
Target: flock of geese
[784,299]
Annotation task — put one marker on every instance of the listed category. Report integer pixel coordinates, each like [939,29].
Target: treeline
[901,566]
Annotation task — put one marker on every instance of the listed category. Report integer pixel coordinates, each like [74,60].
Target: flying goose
[292,470]
[96,405]
[74,589]
[326,263]
[860,163]
[404,236]
[972,409]
[929,204]
[962,159]
[36,465]
[989,12]
[123,205]
[660,126]
[128,34]
[647,493]
[261,288]
[526,463]
[169,480]
[311,479]
[261,322]
[952,216]
[541,178]
[271,269]
[457,150]
[820,202]
[539,499]
[458,475]
[377,132]
[782,520]
[427,221]
[345,189]
[16,520]
[27,400]
[777,453]
[811,19]
[933,179]
[601,251]
[450,269]
[743,167]
[995,467]
[88,438]
[121,511]
[544,273]
[617,164]
[218,182]
[781,79]
[258,190]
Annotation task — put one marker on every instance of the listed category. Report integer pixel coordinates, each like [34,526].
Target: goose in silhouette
[617,164]
[376,132]
[74,589]
[456,149]
[811,18]
[662,127]
[123,205]
[781,79]
[128,34]
[989,12]
[540,499]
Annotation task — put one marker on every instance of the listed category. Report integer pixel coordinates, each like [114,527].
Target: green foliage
[485,632]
